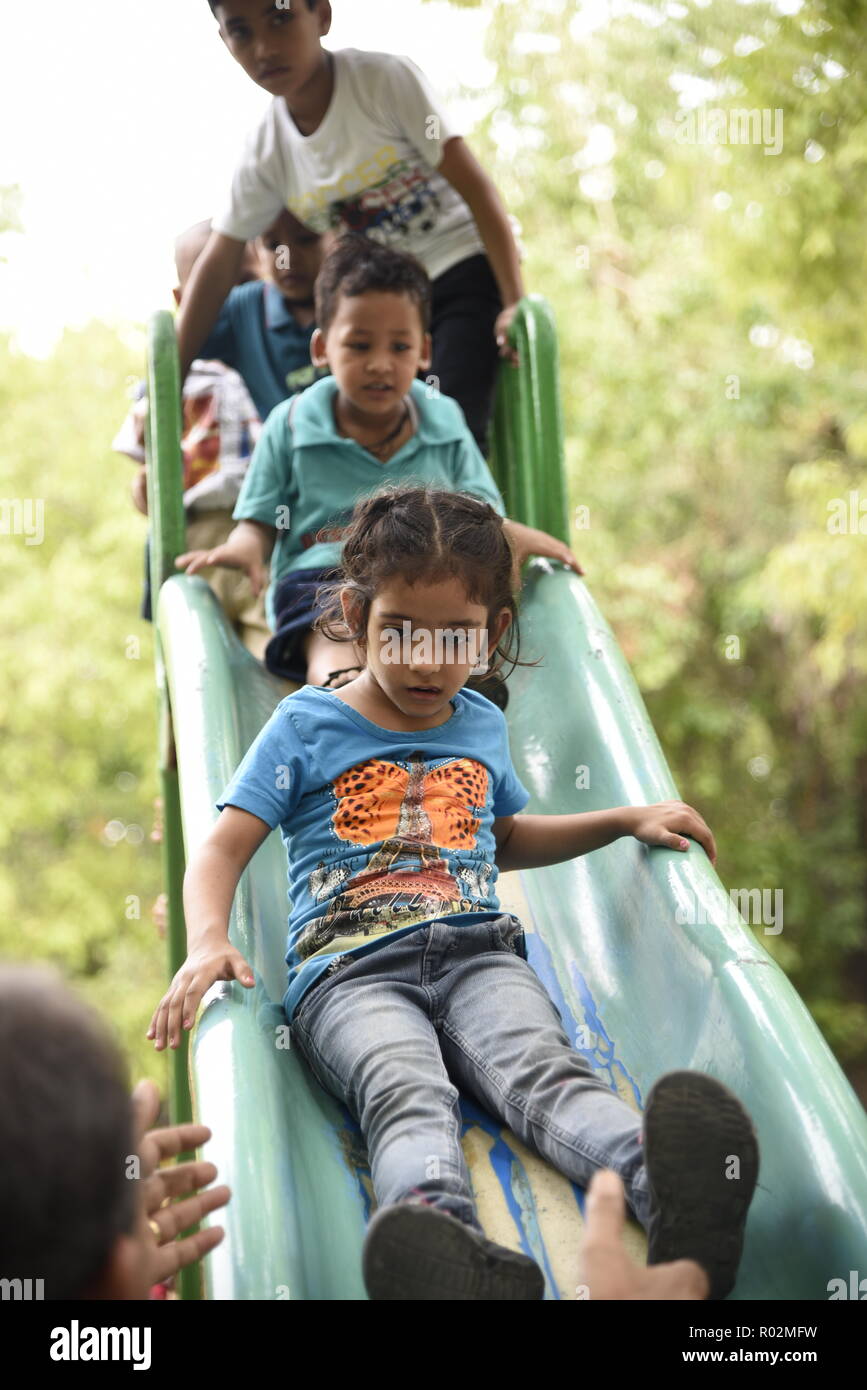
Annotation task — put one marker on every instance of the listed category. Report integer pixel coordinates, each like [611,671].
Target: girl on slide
[398,804]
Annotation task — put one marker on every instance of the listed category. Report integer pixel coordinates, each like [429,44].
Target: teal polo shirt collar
[439,419]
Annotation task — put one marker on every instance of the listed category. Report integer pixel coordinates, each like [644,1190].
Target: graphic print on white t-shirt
[370,167]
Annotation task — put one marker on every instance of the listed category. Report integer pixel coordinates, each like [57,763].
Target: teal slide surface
[640,949]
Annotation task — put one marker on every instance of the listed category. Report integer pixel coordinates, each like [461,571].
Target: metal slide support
[527,457]
[167,540]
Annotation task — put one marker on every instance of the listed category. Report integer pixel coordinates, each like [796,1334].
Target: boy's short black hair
[357,264]
[215,5]
[66,1134]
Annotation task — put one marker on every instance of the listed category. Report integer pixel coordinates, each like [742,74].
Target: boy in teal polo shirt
[371,422]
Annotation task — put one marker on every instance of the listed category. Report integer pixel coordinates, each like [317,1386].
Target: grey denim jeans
[394,1035]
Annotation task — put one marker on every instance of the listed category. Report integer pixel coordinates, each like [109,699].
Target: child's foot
[415,1252]
[702,1161]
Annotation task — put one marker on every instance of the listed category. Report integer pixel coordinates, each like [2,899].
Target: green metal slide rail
[527,456]
[168,533]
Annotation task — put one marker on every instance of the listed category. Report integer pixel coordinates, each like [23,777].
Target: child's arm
[528,541]
[529,842]
[466,175]
[214,275]
[247,548]
[209,888]
[264,495]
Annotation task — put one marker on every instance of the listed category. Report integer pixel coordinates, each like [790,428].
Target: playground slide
[648,967]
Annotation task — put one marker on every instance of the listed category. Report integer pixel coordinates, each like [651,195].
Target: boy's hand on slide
[501,333]
[666,825]
[155,1146]
[528,541]
[229,557]
[202,967]
[607,1271]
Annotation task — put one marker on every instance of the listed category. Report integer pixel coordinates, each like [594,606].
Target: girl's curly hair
[424,533]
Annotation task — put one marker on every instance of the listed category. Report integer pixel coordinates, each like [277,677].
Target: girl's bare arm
[531,842]
[209,889]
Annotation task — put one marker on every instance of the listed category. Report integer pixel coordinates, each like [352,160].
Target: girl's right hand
[178,1006]
[229,556]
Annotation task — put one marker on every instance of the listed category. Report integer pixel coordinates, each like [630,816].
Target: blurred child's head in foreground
[71,1209]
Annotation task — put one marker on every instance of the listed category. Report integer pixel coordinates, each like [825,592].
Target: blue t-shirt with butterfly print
[384,830]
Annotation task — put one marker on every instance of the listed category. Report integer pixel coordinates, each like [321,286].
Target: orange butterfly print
[379,800]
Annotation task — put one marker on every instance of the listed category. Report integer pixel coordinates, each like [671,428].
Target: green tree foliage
[707,295]
[78,873]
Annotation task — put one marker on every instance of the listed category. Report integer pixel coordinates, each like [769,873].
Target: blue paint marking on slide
[601,1056]
[510,1171]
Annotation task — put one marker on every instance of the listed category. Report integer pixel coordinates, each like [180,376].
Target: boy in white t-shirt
[360,141]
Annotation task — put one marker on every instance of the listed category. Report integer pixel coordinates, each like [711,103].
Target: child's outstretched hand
[208,963]
[167,1218]
[667,824]
[231,555]
[528,541]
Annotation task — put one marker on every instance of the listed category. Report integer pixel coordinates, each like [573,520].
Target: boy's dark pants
[466,302]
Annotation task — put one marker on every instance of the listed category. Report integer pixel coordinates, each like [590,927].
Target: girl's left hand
[668,823]
[501,333]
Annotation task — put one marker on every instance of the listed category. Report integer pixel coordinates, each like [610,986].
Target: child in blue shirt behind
[370,422]
[399,805]
[265,327]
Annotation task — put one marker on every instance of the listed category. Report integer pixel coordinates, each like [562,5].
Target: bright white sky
[121,123]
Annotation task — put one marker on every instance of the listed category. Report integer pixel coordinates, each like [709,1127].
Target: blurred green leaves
[78,872]
[709,299]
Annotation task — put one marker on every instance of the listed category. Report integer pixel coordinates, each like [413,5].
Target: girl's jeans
[395,1033]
